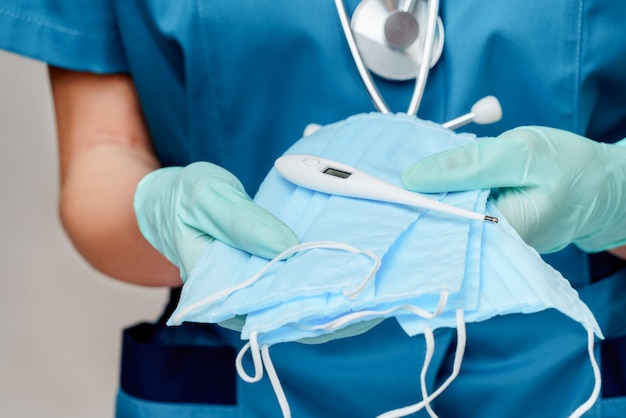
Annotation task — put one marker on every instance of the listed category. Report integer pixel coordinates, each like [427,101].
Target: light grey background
[60,321]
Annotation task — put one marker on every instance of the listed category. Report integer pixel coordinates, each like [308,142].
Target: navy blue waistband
[191,365]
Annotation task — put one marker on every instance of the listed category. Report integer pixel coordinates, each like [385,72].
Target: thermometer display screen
[337,173]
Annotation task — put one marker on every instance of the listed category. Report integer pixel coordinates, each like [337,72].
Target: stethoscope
[385,37]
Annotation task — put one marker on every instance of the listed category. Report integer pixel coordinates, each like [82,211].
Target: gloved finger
[524,210]
[180,210]
[229,215]
[488,163]
[220,208]
[194,246]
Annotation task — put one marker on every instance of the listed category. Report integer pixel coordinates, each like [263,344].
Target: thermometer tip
[491,219]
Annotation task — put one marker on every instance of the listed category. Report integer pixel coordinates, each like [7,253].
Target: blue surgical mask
[371,226]
[362,261]
[409,262]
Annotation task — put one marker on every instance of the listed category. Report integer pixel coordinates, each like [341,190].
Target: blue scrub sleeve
[74,34]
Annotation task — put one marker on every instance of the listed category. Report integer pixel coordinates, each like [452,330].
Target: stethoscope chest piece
[391,38]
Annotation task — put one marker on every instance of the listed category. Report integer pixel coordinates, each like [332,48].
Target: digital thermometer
[323,175]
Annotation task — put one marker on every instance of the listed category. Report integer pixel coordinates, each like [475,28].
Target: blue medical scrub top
[235,83]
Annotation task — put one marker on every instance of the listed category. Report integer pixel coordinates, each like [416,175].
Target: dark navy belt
[186,364]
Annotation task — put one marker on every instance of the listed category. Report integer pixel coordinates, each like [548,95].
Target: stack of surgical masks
[360,261]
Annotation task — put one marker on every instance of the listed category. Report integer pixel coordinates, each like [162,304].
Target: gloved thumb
[229,215]
[485,164]
[181,209]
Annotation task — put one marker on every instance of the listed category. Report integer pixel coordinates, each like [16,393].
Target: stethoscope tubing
[422,76]
[370,86]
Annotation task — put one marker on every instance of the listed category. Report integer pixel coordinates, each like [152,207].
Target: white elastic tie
[224,293]
[430,351]
[253,346]
[264,360]
[261,359]
[331,245]
[456,368]
[273,376]
[352,317]
[595,393]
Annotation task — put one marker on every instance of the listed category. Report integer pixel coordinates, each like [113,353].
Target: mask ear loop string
[351,317]
[253,346]
[430,351]
[586,406]
[261,359]
[224,293]
[260,356]
[265,360]
[275,381]
[456,369]
[429,43]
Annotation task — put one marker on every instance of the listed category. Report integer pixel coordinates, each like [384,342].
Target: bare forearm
[104,150]
[97,213]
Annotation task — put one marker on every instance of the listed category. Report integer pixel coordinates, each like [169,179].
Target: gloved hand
[554,187]
[181,209]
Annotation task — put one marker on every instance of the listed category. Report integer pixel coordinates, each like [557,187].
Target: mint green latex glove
[554,187]
[181,209]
